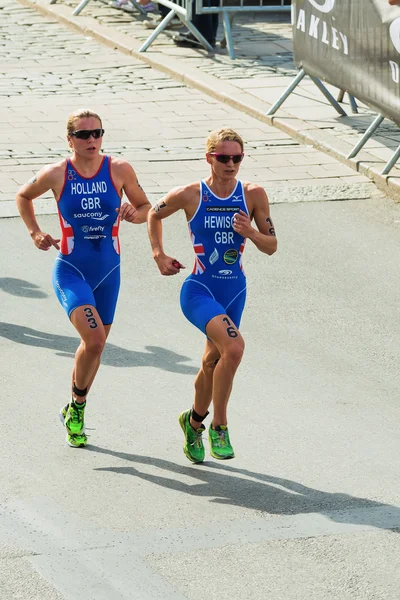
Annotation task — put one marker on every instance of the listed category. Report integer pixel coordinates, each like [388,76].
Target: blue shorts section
[199,305]
[72,290]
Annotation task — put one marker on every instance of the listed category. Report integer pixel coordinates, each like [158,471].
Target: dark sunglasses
[84,134]
[225,158]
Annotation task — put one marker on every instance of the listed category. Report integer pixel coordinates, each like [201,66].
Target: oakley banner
[353,45]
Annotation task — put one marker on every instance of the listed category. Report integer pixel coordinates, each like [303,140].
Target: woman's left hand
[242,224]
[127,212]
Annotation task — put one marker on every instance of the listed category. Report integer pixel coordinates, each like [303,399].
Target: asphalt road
[310,507]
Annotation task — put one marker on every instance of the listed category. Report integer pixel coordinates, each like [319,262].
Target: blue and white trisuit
[217,284]
[87,268]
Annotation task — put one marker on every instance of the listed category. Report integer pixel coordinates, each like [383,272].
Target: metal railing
[228,8]
[183,10]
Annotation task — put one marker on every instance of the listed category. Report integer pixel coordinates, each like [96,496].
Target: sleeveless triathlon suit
[87,269]
[217,284]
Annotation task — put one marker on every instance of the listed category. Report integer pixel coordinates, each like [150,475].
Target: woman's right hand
[44,241]
[167,265]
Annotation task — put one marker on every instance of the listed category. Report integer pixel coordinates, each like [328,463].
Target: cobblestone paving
[264,57]
[56,57]
[48,70]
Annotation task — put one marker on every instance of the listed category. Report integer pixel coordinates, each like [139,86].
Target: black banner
[353,45]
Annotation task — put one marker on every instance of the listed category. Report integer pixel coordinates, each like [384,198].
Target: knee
[95,346]
[234,353]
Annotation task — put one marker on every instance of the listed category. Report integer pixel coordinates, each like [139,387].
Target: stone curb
[300,130]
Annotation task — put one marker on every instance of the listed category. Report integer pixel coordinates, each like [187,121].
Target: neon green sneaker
[63,413]
[72,417]
[77,440]
[220,445]
[193,447]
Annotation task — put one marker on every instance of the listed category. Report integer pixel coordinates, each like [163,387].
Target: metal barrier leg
[80,7]
[352,101]
[328,96]
[353,104]
[163,25]
[374,125]
[139,8]
[223,42]
[389,166]
[301,74]
[228,35]
[197,35]
[158,30]
[341,96]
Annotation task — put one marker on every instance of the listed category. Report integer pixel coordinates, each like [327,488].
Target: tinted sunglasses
[225,158]
[84,134]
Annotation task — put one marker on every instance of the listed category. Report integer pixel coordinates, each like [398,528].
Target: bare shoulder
[185,192]
[256,196]
[51,174]
[253,190]
[121,167]
[57,168]
[184,197]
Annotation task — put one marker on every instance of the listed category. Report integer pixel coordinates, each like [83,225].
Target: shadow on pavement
[257,491]
[20,287]
[113,356]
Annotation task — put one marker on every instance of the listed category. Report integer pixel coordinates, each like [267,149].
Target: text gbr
[220,222]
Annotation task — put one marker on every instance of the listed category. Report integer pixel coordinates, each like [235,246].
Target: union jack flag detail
[67,238]
[199,267]
[115,238]
[241,250]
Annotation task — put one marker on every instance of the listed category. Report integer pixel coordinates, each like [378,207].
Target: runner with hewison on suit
[219,211]
[88,188]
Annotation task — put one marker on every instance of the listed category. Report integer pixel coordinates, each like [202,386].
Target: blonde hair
[82,113]
[222,135]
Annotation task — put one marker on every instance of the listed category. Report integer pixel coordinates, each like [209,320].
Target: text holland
[89,187]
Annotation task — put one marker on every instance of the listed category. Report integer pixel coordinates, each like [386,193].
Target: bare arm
[39,184]
[264,237]
[135,194]
[171,203]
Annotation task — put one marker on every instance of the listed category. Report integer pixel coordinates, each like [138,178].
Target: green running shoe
[193,447]
[77,441]
[220,445]
[63,413]
[72,417]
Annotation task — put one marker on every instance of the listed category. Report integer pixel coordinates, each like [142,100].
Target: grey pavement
[151,119]
[310,508]
[253,82]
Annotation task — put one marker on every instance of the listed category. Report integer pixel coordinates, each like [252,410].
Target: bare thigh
[88,324]
[224,335]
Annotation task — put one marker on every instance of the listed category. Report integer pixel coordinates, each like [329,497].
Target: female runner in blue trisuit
[219,211]
[88,188]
